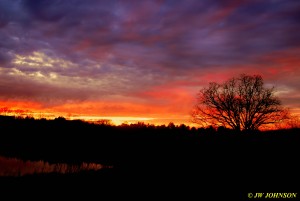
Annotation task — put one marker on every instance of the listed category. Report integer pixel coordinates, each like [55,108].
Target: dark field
[151,162]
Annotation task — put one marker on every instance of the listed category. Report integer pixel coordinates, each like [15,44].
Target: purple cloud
[96,49]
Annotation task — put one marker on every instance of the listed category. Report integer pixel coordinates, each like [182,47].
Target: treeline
[158,153]
[76,141]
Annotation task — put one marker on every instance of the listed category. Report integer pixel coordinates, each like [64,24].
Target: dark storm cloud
[48,10]
[264,26]
[196,33]
[126,46]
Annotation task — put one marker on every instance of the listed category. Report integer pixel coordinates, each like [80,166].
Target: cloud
[55,51]
[157,34]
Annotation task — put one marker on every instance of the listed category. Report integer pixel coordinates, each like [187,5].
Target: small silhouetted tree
[240,103]
[104,122]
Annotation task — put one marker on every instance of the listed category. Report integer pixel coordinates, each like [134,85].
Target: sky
[142,60]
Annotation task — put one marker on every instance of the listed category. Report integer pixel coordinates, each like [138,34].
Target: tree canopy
[240,103]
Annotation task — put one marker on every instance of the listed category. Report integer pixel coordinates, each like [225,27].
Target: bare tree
[240,103]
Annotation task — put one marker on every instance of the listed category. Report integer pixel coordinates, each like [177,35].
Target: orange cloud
[32,106]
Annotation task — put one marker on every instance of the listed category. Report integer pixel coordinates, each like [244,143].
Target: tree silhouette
[240,103]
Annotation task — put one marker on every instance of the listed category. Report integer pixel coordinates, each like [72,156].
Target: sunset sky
[142,60]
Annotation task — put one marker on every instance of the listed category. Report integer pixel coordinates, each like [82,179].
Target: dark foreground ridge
[152,161]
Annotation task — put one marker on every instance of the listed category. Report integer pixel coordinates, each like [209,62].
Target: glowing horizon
[115,120]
